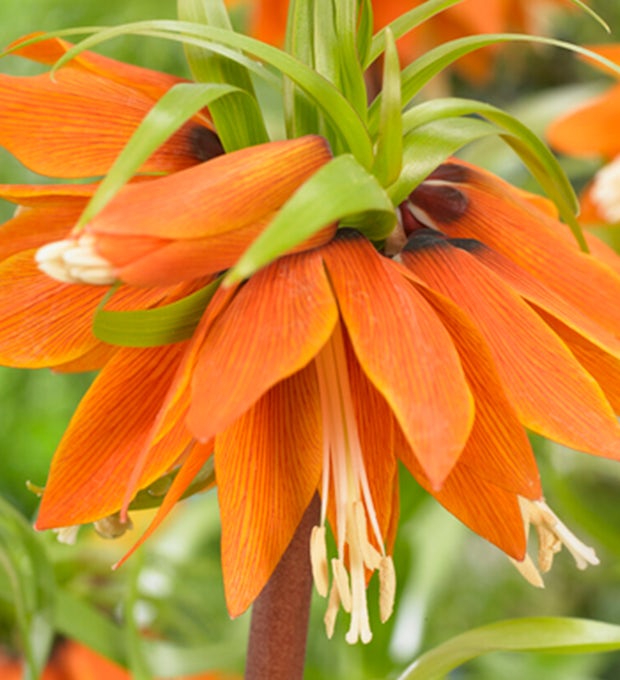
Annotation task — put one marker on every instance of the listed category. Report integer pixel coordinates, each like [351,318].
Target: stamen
[318,559]
[345,480]
[387,587]
[606,191]
[75,261]
[552,535]
[527,569]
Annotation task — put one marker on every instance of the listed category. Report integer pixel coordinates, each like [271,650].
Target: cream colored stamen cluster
[75,261]
[356,519]
[552,535]
[606,191]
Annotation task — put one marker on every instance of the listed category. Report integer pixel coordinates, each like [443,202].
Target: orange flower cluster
[481,318]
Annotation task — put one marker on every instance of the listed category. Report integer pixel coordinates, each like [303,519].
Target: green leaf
[405,23]
[153,327]
[179,104]
[531,149]
[31,586]
[238,124]
[388,159]
[547,635]
[428,145]
[341,189]
[422,70]
[350,131]
[351,74]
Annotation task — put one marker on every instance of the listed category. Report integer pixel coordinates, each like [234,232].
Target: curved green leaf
[341,189]
[153,327]
[550,635]
[351,132]
[177,105]
[405,23]
[424,68]
[531,149]
[238,124]
[427,146]
[388,157]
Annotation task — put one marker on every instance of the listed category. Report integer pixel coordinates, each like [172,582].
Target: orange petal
[93,360]
[498,450]
[268,465]
[465,202]
[404,351]
[272,328]
[548,388]
[48,323]
[152,83]
[32,228]
[96,456]
[489,510]
[535,292]
[76,125]
[44,322]
[604,367]
[196,458]
[223,195]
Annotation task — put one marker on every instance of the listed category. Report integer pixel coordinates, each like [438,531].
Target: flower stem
[279,627]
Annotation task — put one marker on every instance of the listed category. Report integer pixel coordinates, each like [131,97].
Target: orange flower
[591,130]
[71,660]
[329,365]
[75,124]
[268,22]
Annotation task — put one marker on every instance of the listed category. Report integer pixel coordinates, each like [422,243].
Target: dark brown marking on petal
[471,245]
[442,203]
[425,238]
[451,172]
[205,144]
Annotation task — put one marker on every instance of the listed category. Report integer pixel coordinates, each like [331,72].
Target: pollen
[359,544]
[75,261]
[606,191]
[552,535]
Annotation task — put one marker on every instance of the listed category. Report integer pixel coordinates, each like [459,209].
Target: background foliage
[449,580]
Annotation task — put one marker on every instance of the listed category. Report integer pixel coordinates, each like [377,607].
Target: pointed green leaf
[179,104]
[164,325]
[238,124]
[537,634]
[405,23]
[388,159]
[341,189]
[351,133]
[531,149]
[428,145]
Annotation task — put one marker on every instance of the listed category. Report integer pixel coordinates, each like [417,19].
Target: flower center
[552,535]
[606,191]
[345,480]
[75,261]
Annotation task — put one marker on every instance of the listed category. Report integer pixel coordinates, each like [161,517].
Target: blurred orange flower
[267,21]
[73,661]
[591,130]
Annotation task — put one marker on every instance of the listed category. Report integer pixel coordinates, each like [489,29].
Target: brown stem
[279,627]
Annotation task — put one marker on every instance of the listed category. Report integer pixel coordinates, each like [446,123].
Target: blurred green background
[449,580]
